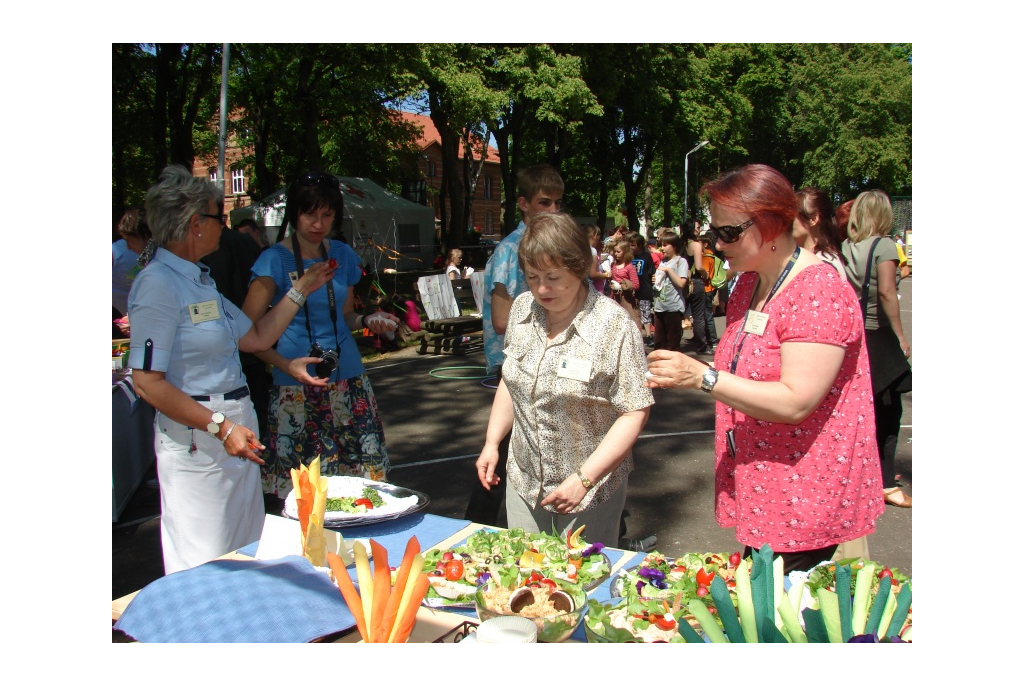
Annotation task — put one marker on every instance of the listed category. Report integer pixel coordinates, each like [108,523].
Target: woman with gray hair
[185,339]
[571,392]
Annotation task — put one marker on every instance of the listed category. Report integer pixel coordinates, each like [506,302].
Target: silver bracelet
[228,434]
[297,297]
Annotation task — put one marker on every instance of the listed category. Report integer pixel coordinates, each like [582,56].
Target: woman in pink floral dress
[796,464]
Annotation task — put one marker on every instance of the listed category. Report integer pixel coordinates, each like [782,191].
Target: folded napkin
[281,600]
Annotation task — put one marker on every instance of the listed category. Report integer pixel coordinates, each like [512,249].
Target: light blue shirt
[198,358]
[124,261]
[503,268]
[278,263]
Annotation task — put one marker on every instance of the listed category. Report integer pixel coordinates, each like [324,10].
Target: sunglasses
[730,234]
[222,218]
[315,177]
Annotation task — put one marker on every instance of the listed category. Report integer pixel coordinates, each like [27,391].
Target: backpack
[720,276]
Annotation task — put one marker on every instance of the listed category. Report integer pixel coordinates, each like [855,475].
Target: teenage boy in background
[540,190]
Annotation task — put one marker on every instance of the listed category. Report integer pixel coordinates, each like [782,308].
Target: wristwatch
[708,380]
[583,479]
[215,421]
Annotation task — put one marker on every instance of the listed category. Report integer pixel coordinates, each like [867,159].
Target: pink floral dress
[818,483]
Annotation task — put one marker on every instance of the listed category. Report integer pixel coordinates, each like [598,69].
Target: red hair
[758,190]
[843,217]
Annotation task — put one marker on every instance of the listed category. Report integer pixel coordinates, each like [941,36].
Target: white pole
[686,178]
[225,57]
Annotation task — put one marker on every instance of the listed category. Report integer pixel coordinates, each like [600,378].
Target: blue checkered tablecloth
[281,600]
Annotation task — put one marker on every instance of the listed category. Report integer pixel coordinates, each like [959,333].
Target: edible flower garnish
[483,578]
[872,638]
[655,577]
[593,549]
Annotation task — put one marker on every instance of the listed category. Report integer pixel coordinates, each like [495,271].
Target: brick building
[486,212]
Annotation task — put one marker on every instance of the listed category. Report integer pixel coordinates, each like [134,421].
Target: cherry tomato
[332,263]
[735,559]
[454,569]
[550,584]
[730,583]
[447,556]
[702,590]
[363,501]
[663,622]
[704,577]
[885,573]
[534,577]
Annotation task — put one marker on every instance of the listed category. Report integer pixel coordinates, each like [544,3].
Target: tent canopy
[386,230]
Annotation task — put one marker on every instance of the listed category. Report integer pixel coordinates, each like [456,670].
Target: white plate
[398,502]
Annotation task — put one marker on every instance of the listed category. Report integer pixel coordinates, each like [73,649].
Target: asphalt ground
[435,428]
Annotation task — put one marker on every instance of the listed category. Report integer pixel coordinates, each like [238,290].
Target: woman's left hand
[566,496]
[378,322]
[673,370]
[243,443]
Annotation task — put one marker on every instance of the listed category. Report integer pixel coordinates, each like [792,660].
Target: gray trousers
[602,521]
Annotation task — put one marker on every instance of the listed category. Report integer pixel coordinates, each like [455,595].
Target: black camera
[329,361]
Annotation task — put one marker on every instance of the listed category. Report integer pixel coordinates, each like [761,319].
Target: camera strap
[330,292]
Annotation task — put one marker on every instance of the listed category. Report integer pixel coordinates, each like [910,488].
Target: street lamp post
[686,178]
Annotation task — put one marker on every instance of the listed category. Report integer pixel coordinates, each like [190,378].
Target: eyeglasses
[222,218]
[315,177]
[729,234]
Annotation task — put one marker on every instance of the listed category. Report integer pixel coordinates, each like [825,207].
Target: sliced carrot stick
[381,588]
[409,620]
[387,624]
[304,502]
[348,592]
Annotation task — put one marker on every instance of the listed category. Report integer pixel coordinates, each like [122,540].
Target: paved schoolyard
[435,429]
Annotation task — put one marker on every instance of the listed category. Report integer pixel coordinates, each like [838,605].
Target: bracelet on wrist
[296,296]
[228,433]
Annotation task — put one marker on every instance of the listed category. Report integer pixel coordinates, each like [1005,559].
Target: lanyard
[737,348]
[330,291]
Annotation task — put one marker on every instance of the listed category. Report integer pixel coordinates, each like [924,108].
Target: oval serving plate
[398,502]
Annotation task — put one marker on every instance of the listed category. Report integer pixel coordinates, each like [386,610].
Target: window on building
[431,169]
[487,187]
[213,174]
[238,181]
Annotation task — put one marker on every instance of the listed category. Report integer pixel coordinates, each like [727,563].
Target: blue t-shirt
[502,267]
[185,327]
[278,263]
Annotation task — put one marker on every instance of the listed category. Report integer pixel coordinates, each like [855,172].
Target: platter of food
[514,558]
[353,501]
[713,598]
[654,595]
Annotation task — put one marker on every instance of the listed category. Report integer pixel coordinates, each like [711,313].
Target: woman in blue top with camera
[321,402]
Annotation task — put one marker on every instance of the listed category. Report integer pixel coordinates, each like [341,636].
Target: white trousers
[211,502]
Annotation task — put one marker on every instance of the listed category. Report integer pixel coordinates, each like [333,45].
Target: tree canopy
[616,119]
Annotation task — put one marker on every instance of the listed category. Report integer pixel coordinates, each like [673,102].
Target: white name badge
[204,311]
[756,322]
[576,369]
[293,276]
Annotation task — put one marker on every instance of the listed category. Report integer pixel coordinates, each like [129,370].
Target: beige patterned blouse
[560,420]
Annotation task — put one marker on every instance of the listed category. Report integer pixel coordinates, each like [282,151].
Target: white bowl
[506,629]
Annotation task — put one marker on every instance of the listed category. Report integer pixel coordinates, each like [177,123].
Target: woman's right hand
[314,277]
[241,442]
[485,466]
[298,368]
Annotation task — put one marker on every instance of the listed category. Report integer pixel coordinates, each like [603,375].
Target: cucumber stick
[843,595]
[861,597]
[745,602]
[829,603]
[875,617]
[887,612]
[791,622]
[707,622]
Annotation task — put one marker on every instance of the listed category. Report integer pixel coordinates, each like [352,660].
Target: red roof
[429,135]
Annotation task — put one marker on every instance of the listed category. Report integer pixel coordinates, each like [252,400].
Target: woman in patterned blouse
[796,464]
[571,392]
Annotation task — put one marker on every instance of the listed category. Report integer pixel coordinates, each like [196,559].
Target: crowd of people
[580,333]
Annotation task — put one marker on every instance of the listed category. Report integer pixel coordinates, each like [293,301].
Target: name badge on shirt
[576,369]
[756,322]
[293,276]
[204,311]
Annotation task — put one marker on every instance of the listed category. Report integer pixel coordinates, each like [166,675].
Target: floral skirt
[338,422]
